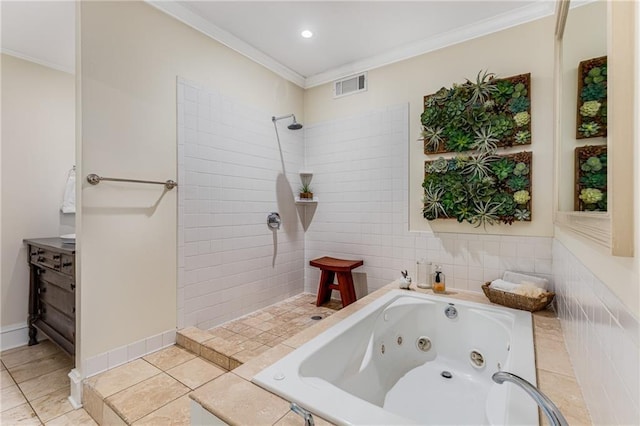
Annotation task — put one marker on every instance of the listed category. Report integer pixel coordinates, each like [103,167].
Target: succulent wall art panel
[591,178]
[482,188]
[480,115]
[591,117]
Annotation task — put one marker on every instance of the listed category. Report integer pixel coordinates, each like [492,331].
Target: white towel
[515,277]
[503,285]
[69,198]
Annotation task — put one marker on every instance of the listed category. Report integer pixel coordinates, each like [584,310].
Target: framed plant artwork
[591,178]
[591,115]
[481,189]
[483,114]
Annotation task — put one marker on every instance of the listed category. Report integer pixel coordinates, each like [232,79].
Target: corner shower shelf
[303,201]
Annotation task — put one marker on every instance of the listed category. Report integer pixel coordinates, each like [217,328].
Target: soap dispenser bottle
[438,284]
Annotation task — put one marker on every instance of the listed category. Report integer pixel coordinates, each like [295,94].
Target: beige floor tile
[259,363]
[78,417]
[111,418]
[235,326]
[52,405]
[195,373]
[250,332]
[20,415]
[175,413]
[266,338]
[230,348]
[120,378]
[215,357]
[24,354]
[237,401]
[196,334]
[169,357]
[292,419]
[139,400]
[45,384]
[2,367]
[11,397]
[40,366]
[248,354]
[5,379]
[221,332]
[92,403]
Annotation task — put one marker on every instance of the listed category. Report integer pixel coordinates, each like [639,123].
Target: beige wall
[38,140]
[131,55]
[526,48]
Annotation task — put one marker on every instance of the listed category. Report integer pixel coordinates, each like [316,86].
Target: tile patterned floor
[35,387]
[154,390]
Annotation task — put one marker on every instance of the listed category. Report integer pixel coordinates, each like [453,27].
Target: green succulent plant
[522,118]
[593,92]
[477,117]
[463,212]
[590,108]
[522,214]
[485,141]
[502,168]
[521,169]
[482,189]
[593,164]
[433,207]
[484,213]
[437,166]
[482,88]
[432,137]
[519,104]
[459,141]
[506,203]
[591,195]
[488,105]
[521,197]
[596,75]
[594,180]
[518,183]
[504,91]
[502,126]
[431,116]
[589,128]
[522,137]
[519,90]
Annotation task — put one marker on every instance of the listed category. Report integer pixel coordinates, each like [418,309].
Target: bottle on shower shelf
[423,273]
[438,283]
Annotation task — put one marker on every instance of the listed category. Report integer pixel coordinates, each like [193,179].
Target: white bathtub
[344,375]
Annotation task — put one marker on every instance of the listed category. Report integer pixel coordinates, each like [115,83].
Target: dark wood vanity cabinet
[52,292]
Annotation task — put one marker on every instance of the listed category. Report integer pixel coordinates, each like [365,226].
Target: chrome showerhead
[293,126]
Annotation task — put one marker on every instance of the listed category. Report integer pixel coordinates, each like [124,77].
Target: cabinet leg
[32,333]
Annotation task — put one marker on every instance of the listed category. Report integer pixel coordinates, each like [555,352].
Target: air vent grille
[350,85]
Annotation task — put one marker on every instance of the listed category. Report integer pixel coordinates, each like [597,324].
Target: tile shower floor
[154,390]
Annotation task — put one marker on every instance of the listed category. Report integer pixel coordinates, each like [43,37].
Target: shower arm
[282,117]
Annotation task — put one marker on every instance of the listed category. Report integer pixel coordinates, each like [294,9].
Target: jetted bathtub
[402,360]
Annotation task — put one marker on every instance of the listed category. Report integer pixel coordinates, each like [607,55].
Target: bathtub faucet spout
[308,418]
[546,405]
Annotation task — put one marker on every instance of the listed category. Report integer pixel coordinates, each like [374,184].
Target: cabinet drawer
[60,299]
[65,282]
[58,321]
[46,258]
[67,264]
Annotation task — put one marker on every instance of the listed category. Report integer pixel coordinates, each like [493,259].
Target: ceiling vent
[350,85]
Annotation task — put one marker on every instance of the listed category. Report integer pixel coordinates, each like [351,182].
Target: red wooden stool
[329,267]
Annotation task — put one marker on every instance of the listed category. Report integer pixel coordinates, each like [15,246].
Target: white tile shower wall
[360,167]
[602,339]
[232,173]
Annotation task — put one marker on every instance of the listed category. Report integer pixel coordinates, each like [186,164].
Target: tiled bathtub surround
[602,338]
[360,167]
[232,173]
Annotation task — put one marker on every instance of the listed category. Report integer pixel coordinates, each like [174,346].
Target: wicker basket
[511,300]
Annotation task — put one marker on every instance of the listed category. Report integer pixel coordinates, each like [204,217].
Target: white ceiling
[40,31]
[349,36]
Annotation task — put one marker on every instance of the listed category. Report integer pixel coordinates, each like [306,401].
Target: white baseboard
[75,399]
[16,335]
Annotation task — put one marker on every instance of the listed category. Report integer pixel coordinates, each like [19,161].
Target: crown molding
[186,16]
[44,63]
[506,20]
[488,26]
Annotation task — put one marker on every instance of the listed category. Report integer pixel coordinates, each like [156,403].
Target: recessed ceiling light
[306,34]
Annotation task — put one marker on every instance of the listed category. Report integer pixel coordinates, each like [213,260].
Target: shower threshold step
[232,344]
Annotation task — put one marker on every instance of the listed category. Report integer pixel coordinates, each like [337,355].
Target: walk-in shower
[293,126]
